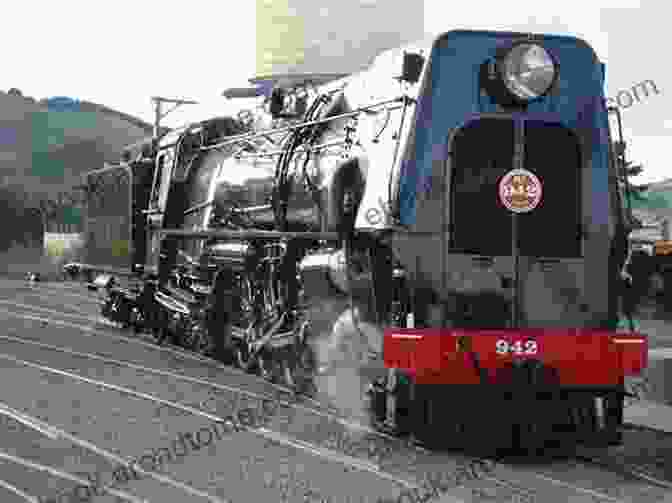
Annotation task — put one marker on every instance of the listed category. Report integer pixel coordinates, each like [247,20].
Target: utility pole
[158,115]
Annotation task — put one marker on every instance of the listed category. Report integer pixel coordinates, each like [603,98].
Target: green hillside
[654,203]
[45,147]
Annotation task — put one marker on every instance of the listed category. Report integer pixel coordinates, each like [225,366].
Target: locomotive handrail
[247,136]
[252,209]
[297,151]
[108,167]
[246,234]
[198,207]
[118,271]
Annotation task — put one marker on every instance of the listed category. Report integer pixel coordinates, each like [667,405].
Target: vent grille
[483,152]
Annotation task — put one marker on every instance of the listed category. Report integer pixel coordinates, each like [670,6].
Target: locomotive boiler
[456,206]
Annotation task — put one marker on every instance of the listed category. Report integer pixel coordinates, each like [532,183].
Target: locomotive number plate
[527,347]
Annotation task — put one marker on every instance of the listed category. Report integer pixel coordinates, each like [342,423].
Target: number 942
[528,347]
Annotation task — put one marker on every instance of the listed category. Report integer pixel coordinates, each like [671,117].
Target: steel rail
[497,481]
[195,380]
[92,319]
[173,350]
[55,432]
[13,489]
[67,305]
[273,436]
[630,470]
[55,472]
[89,332]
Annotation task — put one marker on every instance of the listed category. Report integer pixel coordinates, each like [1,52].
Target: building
[323,36]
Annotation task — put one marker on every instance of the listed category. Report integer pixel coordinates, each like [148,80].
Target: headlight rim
[502,75]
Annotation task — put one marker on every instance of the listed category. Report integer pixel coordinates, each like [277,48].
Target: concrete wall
[59,244]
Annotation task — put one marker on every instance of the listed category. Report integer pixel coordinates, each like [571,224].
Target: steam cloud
[349,355]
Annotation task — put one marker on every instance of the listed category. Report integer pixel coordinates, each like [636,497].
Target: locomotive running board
[251,234]
[101,269]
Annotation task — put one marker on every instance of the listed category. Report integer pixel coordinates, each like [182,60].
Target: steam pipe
[247,136]
[298,151]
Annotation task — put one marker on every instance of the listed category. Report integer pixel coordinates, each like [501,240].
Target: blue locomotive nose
[509,125]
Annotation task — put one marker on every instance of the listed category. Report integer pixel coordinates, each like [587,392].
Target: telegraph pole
[158,115]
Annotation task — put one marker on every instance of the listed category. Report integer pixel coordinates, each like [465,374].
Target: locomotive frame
[248,288]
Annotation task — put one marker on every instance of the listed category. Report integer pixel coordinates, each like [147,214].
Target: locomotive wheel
[197,338]
[118,311]
[124,312]
[137,319]
[583,418]
[106,309]
[299,367]
[244,357]
[160,331]
[112,305]
[267,365]
[656,284]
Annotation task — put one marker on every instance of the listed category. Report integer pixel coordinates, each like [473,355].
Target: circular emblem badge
[520,190]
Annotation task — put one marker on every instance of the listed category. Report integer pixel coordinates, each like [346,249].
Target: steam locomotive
[457,206]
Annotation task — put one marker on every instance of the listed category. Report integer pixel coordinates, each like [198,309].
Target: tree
[14,204]
[629,171]
[48,210]
[625,170]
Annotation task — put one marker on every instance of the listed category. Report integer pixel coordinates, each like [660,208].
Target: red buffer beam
[581,357]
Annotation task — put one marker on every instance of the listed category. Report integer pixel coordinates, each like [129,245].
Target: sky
[121,53]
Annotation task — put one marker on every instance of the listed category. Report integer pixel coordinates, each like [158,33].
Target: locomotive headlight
[528,71]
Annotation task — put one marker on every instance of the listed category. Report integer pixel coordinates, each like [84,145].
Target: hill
[44,149]
[656,202]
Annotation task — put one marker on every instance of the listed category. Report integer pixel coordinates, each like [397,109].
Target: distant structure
[62,104]
[323,36]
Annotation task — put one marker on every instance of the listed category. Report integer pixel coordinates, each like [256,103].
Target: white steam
[347,359]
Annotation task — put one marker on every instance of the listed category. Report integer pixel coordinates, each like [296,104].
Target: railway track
[650,462]
[391,463]
[300,450]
